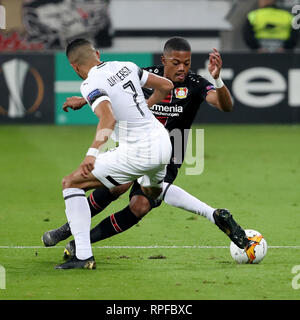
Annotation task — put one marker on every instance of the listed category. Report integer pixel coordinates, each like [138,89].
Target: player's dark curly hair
[177,44]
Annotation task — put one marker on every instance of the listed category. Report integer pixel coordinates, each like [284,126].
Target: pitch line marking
[143,247]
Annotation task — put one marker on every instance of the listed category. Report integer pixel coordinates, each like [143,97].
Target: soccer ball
[255,253]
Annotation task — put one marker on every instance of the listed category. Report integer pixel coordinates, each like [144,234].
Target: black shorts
[171,174]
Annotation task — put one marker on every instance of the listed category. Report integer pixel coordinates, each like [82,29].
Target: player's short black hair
[76,43]
[177,44]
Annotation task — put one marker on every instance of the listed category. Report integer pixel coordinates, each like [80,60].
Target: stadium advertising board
[265,88]
[26,83]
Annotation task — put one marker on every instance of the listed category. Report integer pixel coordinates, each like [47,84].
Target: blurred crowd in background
[138,25]
[49,24]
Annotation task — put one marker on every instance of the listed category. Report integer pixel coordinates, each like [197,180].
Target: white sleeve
[142,74]
[94,96]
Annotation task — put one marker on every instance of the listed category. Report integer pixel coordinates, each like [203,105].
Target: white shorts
[145,161]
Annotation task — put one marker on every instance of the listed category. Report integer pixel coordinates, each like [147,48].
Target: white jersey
[121,84]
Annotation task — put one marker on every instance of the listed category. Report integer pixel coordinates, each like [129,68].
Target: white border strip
[143,247]
[67,86]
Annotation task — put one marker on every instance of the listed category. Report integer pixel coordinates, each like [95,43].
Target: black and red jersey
[178,110]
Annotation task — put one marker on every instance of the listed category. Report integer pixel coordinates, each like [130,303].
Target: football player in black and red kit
[176,111]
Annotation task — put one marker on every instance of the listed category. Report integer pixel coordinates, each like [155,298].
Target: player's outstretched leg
[228,225]
[179,198]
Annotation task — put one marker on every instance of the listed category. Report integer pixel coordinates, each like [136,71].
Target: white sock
[79,217]
[179,198]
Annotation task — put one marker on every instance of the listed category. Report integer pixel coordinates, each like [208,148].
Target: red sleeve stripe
[114,223]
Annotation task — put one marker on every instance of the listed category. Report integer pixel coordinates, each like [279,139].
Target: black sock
[114,224]
[99,199]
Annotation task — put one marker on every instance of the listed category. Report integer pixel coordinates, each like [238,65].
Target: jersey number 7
[130,85]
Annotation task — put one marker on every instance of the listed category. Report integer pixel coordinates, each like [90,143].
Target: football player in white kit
[114,93]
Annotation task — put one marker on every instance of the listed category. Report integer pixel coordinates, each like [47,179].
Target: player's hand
[215,64]
[87,166]
[74,103]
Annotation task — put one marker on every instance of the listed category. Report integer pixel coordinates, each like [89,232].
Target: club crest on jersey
[181,93]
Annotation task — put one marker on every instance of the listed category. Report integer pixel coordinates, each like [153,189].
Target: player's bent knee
[140,206]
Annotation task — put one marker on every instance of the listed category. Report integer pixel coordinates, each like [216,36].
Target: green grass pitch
[253,170]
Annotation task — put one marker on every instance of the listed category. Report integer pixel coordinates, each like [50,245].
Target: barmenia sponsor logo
[161,110]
